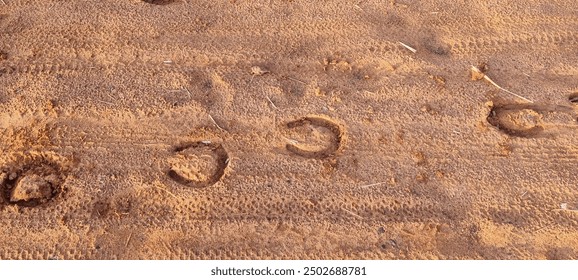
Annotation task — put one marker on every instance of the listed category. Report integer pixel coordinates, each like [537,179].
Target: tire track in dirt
[326,207]
[539,41]
[47,68]
[533,20]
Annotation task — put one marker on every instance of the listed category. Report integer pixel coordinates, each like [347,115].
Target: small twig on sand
[351,213]
[372,185]
[478,74]
[215,122]
[523,194]
[408,47]
[542,228]
[272,104]
[128,240]
[295,80]
[167,191]
[101,101]
[187,90]
[3,2]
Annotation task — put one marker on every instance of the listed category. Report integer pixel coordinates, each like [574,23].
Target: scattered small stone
[258,71]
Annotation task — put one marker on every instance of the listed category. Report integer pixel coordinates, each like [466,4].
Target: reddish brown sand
[288,129]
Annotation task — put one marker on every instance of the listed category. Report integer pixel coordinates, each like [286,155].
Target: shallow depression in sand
[31,186]
[194,164]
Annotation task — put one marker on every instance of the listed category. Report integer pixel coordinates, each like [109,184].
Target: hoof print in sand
[198,164]
[316,125]
[525,120]
[573,98]
[32,184]
[159,2]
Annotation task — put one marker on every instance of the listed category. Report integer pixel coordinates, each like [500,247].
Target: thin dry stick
[485,77]
[351,213]
[295,80]
[105,102]
[542,228]
[167,191]
[128,240]
[408,47]
[523,194]
[373,185]
[187,90]
[272,104]
[3,2]
[211,117]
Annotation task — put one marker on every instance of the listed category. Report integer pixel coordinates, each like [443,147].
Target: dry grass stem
[296,80]
[372,185]
[271,102]
[187,90]
[351,213]
[477,74]
[408,47]
[167,191]
[128,240]
[216,124]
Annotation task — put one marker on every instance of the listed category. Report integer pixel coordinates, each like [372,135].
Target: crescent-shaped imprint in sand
[330,150]
[159,2]
[31,184]
[573,98]
[192,174]
[525,120]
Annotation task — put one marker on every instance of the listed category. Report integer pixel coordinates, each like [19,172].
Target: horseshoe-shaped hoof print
[330,150]
[191,174]
[527,120]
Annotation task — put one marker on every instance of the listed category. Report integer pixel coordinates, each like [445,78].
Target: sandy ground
[288,129]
